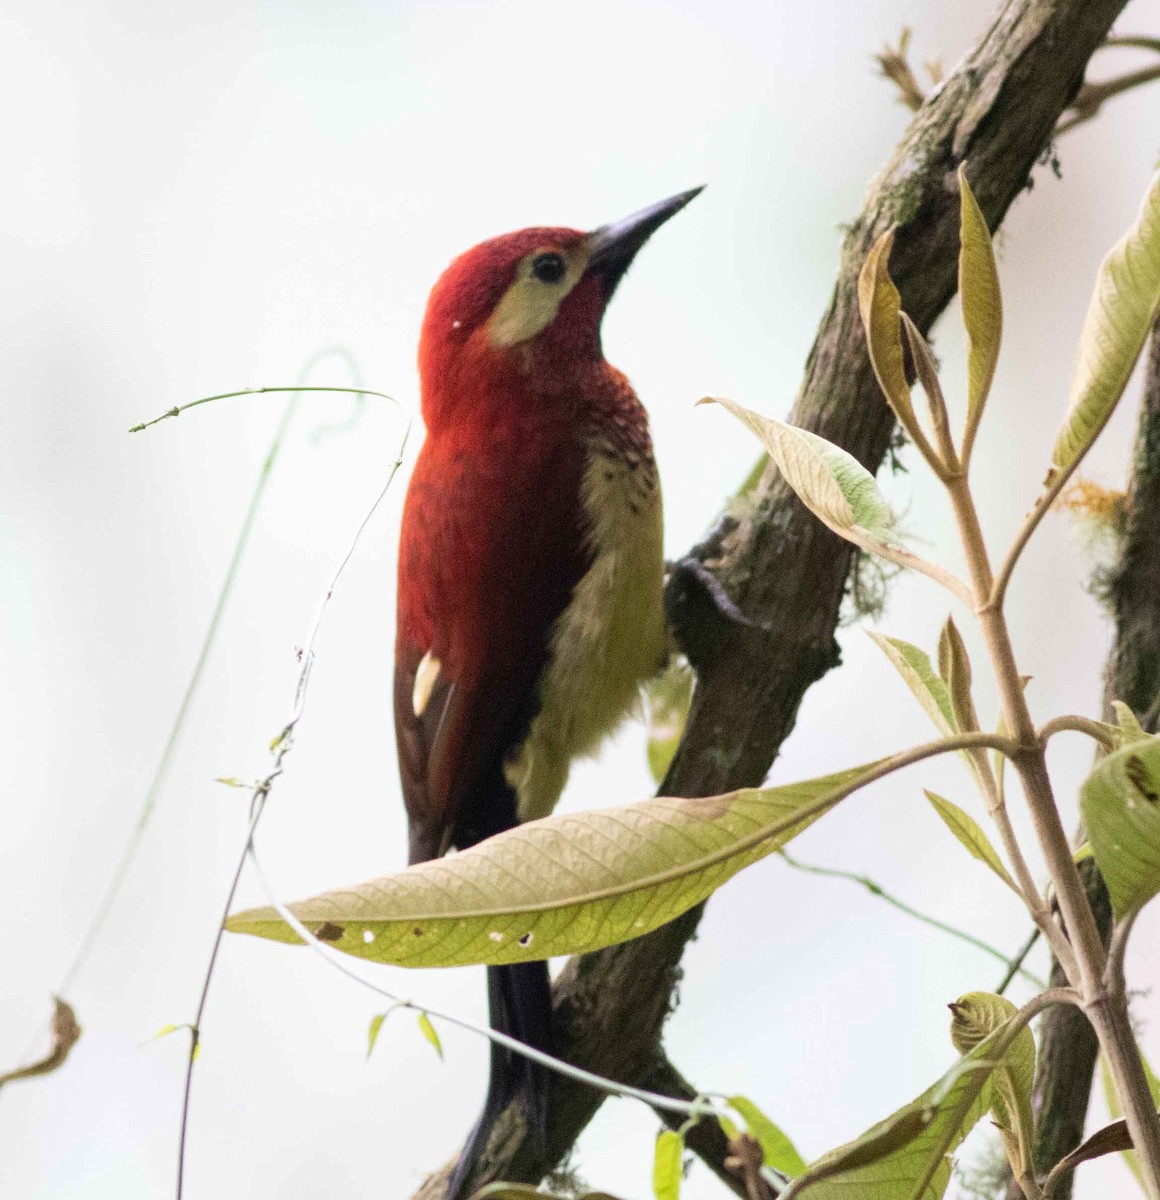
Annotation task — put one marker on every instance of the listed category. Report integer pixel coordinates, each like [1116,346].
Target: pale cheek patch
[529,305]
[425,679]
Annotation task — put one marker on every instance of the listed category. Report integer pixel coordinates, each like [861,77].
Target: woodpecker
[530,569]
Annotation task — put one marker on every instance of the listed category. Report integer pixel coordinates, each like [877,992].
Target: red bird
[530,568]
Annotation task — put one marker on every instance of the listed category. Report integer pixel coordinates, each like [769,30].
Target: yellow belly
[609,639]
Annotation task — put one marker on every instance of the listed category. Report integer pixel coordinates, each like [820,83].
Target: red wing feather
[492,548]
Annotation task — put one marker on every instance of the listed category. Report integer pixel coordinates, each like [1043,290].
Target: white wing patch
[426,676]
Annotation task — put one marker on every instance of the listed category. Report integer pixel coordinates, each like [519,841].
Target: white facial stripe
[529,304]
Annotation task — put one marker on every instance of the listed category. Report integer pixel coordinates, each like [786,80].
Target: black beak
[611,248]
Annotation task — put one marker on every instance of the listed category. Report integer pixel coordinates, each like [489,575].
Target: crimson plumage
[529,590]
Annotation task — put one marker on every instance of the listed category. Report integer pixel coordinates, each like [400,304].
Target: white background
[199,197]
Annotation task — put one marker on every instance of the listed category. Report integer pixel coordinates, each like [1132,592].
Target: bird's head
[529,302]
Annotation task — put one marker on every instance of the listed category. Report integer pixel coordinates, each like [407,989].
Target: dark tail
[519,1001]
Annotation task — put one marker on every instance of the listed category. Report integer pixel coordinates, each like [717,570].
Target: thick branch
[783,568]
[1068,1052]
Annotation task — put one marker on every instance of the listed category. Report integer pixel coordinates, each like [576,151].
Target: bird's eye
[549,268]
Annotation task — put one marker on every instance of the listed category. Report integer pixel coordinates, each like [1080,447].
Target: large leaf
[1120,802]
[1121,312]
[981,303]
[906,1157]
[564,885]
[832,484]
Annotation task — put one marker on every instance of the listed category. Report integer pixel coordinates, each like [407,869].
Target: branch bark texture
[1068,1047]
[784,570]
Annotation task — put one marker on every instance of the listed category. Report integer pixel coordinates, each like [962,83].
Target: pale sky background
[200,197]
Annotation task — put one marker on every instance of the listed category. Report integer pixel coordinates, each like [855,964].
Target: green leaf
[933,694]
[727,1127]
[428,1031]
[667,1174]
[1120,803]
[906,1157]
[917,673]
[1130,729]
[373,1032]
[982,304]
[967,830]
[563,885]
[832,484]
[975,1016]
[880,306]
[778,1150]
[669,697]
[954,665]
[1123,307]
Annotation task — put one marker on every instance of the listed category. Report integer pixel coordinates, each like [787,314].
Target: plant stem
[1015,967]
[1085,961]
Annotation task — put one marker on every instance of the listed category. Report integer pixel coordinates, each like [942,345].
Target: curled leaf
[976,1016]
[1120,803]
[880,306]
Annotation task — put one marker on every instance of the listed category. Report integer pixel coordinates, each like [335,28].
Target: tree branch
[1068,1050]
[783,568]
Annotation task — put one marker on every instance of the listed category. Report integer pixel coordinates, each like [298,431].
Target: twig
[261,391]
[894,64]
[1096,730]
[698,1107]
[108,899]
[1017,962]
[875,889]
[281,746]
[1093,96]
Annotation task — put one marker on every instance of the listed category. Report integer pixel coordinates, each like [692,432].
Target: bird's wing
[484,573]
